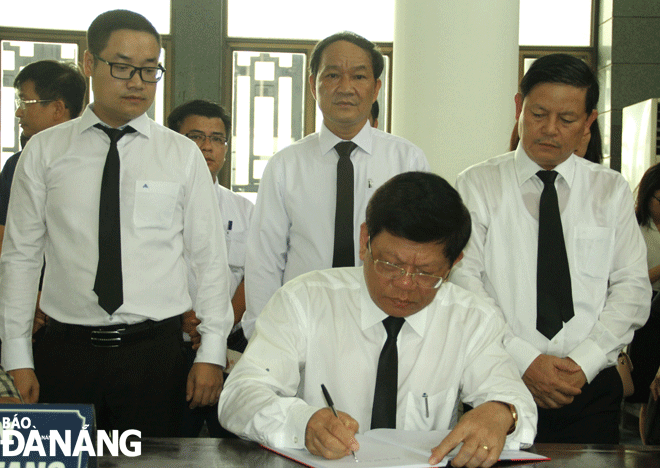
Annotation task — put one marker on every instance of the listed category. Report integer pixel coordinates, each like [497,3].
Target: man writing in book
[395,344]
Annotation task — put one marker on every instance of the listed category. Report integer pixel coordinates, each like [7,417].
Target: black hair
[421,207]
[106,23]
[649,184]
[55,80]
[198,107]
[377,61]
[564,69]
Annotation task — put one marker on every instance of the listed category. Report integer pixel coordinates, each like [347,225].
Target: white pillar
[455,73]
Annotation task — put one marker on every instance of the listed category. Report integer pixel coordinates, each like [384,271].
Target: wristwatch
[514,415]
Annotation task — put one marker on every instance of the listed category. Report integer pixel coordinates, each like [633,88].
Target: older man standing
[313,194]
[556,247]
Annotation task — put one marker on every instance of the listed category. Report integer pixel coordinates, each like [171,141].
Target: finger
[467,452]
[446,446]
[329,446]
[190,386]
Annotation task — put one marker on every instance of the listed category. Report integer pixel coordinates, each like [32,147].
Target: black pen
[328,400]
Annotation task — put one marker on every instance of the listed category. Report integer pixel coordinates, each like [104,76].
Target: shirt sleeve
[259,398]
[628,299]
[204,242]
[6,177]
[267,245]
[22,259]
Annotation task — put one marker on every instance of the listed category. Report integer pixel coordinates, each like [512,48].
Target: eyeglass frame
[23,103]
[207,137]
[135,70]
[653,196]
[402,271]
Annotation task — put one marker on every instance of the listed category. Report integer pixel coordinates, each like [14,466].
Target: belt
[113,336]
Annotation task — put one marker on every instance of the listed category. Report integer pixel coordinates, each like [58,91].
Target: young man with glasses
[209,126]
[335,323]
[114,200]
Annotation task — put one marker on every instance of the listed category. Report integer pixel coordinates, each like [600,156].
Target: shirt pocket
[236,245]
[426,412]
[155,203]
[594,248]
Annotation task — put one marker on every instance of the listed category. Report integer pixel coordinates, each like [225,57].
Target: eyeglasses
[200,138]
[391,272]
[22,103]
[124,71]
[653,196]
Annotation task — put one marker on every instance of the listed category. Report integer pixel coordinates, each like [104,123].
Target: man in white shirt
[571,370]
[332,324]
[114,337]
[209,126]
[294,224]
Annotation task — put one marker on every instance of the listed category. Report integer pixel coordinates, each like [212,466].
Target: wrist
[514,416]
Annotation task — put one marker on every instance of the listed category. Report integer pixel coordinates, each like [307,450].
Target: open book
[394,448]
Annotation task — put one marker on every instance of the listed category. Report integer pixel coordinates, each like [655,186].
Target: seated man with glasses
[341,326]
[118,203]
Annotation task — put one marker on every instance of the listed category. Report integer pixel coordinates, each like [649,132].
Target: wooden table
[233,453]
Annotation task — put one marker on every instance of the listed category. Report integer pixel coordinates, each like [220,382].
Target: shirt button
[295,440]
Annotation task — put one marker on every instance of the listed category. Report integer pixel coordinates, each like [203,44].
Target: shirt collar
[372,315]
[328,140]
[89,119]
[526,168]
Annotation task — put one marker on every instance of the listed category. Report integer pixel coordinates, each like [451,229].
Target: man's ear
[364,239]
[458,259]
[593,116]
[519,104]
[312,85]
[60,112]
[88,63]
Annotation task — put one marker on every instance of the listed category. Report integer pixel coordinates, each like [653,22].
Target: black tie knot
[345,148]
[114,133]
[393,326]
[547,177]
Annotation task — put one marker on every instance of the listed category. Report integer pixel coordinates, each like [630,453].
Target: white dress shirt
[167,206]
[326,324]
[236,212]
[294,220]
[606,256]
[652,240]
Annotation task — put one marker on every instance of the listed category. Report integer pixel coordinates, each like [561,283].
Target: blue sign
[48,436]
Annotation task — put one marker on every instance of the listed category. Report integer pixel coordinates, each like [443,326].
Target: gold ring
[485,447]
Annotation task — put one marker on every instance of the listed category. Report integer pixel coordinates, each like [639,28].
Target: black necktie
[554,297]
[383,413]
[108,284]
[344,252]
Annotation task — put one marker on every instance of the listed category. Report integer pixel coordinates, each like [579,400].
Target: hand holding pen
[331,435]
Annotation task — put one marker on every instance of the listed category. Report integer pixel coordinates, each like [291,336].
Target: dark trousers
[137,385]
[193,419]
[592,418]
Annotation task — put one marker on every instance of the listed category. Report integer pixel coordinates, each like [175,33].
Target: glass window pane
[299,19]
[15,56]
[77,15]
[269,90]
[556,23]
